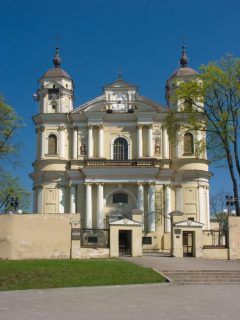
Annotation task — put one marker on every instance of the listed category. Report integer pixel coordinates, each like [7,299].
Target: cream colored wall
[36,236]
[190,199]
[234,237]
[216,253]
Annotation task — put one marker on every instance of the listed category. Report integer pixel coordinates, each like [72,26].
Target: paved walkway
[169,263]
[139,302]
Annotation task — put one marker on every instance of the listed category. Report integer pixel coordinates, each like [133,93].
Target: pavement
[154,301]
[161,263]
[138,302]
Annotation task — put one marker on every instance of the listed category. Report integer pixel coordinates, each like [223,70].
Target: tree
[214,100]
[10,186]
[217,203]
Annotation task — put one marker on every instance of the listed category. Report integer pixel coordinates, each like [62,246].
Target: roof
[56,73]
[120,83]
[184,71]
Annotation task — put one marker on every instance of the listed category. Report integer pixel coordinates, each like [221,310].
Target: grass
[39,274]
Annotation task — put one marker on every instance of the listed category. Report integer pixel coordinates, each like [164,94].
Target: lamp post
[230,200]
[12,204]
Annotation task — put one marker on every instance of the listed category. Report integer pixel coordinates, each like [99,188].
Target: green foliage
[19,275]
[10,123]
[10,186]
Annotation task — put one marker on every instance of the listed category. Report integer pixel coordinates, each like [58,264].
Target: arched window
[120,198]
[52,144]
[120,149]
[188,144]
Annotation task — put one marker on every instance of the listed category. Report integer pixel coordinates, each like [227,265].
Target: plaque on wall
[75,234]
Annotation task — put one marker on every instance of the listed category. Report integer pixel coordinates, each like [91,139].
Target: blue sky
[142,36]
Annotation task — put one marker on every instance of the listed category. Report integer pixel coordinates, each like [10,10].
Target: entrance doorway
[188,239]
[125,242]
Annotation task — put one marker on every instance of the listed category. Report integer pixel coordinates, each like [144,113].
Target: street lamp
[230,200]
[12,205]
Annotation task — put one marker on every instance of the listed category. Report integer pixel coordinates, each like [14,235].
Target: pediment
[120,84]
[125,222]
[188,224]
[141,105]
[50,85]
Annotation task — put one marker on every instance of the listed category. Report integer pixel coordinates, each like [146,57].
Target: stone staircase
[185,277]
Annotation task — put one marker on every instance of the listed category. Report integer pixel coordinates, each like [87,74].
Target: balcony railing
[122,163]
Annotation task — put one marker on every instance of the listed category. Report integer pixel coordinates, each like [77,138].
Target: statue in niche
[157,148]
[83,147]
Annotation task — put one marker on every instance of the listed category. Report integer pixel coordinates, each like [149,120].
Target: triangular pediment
[125,222]
[50,84]
[120,84]
[188,224]
[141,104]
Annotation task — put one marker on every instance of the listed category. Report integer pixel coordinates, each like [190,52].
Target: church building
[111,164]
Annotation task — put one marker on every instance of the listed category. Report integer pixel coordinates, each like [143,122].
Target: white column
[165,142]
[168,208]
[88,220]
[42,142]
[100,208]
[139,140]
[40,200]
[62,142]
[74,143]
[100,141]
[73,199]
[150,141]
[62,199]
[140,201]
[90,141]
[179,199]
[151,208]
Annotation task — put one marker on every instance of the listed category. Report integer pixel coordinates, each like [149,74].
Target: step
[203,276]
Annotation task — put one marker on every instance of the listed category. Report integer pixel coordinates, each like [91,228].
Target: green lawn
[39,274]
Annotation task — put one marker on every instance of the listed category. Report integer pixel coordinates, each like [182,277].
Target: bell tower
[55,93]
[183,74]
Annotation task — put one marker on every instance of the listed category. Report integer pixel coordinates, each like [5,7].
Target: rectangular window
[92,239]
[147,240]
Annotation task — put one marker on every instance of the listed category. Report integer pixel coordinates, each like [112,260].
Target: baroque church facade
[111,162]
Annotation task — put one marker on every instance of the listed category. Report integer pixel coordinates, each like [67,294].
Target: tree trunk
[234,180]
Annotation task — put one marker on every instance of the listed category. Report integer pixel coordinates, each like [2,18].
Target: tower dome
[57,71]
[183,70]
